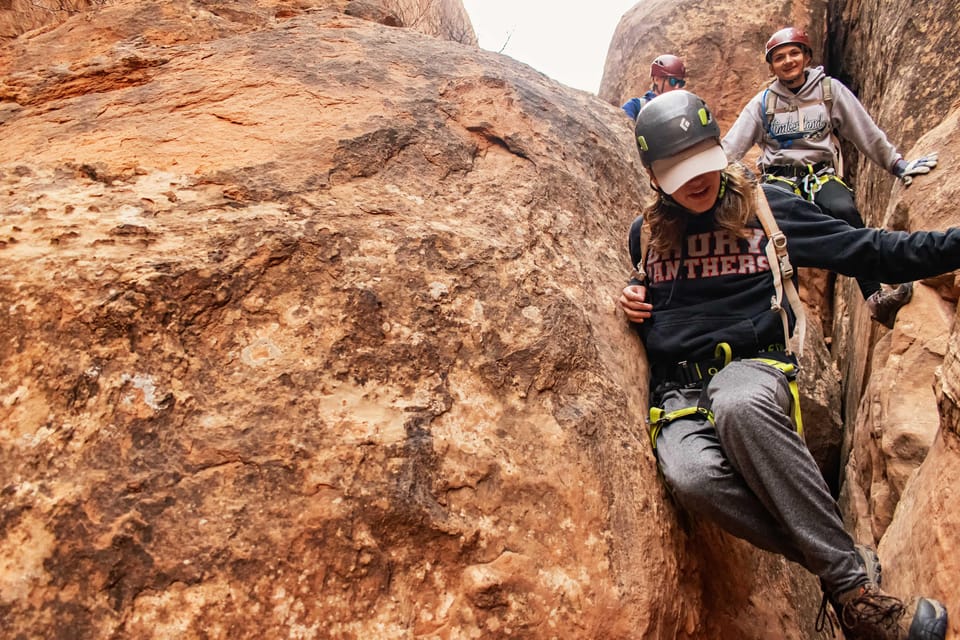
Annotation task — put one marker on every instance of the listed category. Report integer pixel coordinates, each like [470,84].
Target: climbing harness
[791,370]
[660,418]
[723,355]
[803,180]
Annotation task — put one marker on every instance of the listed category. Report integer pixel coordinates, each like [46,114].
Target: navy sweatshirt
[718,288]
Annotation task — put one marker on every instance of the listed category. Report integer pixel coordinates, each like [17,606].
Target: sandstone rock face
[898,419]
[915,374]
[922,537]
[308,331]
[443,18]
[19,16]
[907,103]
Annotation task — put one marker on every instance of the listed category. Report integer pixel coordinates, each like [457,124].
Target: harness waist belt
[690,373]
[796,170]
[697,374]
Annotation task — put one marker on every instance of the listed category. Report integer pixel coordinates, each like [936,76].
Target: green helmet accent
[672,122]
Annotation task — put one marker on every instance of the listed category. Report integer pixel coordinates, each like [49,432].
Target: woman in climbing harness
[715,304]
[798,122]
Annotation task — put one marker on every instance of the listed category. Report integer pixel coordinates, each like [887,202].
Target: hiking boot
[884,304]
[867,613]
[870,562]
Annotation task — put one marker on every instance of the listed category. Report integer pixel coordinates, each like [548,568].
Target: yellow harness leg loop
[790,370]
[787,181]
[660,418]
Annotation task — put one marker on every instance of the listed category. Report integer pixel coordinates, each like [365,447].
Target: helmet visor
[673,172]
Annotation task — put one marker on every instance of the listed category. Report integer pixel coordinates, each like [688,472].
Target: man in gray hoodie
[796,122]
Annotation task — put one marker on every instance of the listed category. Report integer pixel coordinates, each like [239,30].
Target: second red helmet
[788,35]
[668,66]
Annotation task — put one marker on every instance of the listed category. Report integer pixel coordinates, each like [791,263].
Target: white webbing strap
[782,276]
[641,267]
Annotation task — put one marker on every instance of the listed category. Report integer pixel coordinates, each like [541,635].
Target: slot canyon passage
[309,328]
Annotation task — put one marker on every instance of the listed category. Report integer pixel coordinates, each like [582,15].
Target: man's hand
[632,301]
[906,170]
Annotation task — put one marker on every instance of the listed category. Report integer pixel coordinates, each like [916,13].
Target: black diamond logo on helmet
[684,124]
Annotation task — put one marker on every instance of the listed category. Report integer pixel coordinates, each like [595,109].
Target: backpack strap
[826,88]
[640,269]
[782,272]
[769,106]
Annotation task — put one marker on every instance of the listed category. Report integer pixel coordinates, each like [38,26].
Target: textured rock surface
[308,330]
[919,544]
[444,18]
[892,492]
[907,103]
[898,418]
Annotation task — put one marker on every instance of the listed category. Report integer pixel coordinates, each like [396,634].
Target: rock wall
[897,396]
[308,330]
[903,500]
[446,19]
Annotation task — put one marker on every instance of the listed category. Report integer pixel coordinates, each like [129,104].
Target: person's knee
[849,213]
[735,389]
[742,397]
[689,478]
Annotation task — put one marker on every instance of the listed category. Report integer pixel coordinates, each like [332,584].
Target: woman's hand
[633,302]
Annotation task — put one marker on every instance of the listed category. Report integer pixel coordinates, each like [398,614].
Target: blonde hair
[666,221]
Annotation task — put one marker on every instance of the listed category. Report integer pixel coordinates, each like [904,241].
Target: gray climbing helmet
[671,123]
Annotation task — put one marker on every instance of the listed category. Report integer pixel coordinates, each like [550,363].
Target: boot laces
[873,607]
[826,618]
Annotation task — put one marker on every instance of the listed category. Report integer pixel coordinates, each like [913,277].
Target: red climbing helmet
[667,66]
[788,35]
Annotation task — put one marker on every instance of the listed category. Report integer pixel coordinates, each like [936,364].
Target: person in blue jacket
[667,73]
[723,400]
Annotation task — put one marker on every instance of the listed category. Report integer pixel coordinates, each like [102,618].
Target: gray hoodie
[805,115]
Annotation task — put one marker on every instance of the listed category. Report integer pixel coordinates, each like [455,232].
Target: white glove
[906,170]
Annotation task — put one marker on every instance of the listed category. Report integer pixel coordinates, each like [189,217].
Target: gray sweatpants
[754,476]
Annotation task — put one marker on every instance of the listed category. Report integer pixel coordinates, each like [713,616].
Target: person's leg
[837,201]
[751,402]
[701,479]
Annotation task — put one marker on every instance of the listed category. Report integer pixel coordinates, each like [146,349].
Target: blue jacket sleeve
[632,107]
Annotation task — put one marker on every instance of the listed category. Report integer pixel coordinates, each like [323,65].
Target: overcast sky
[566,43]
